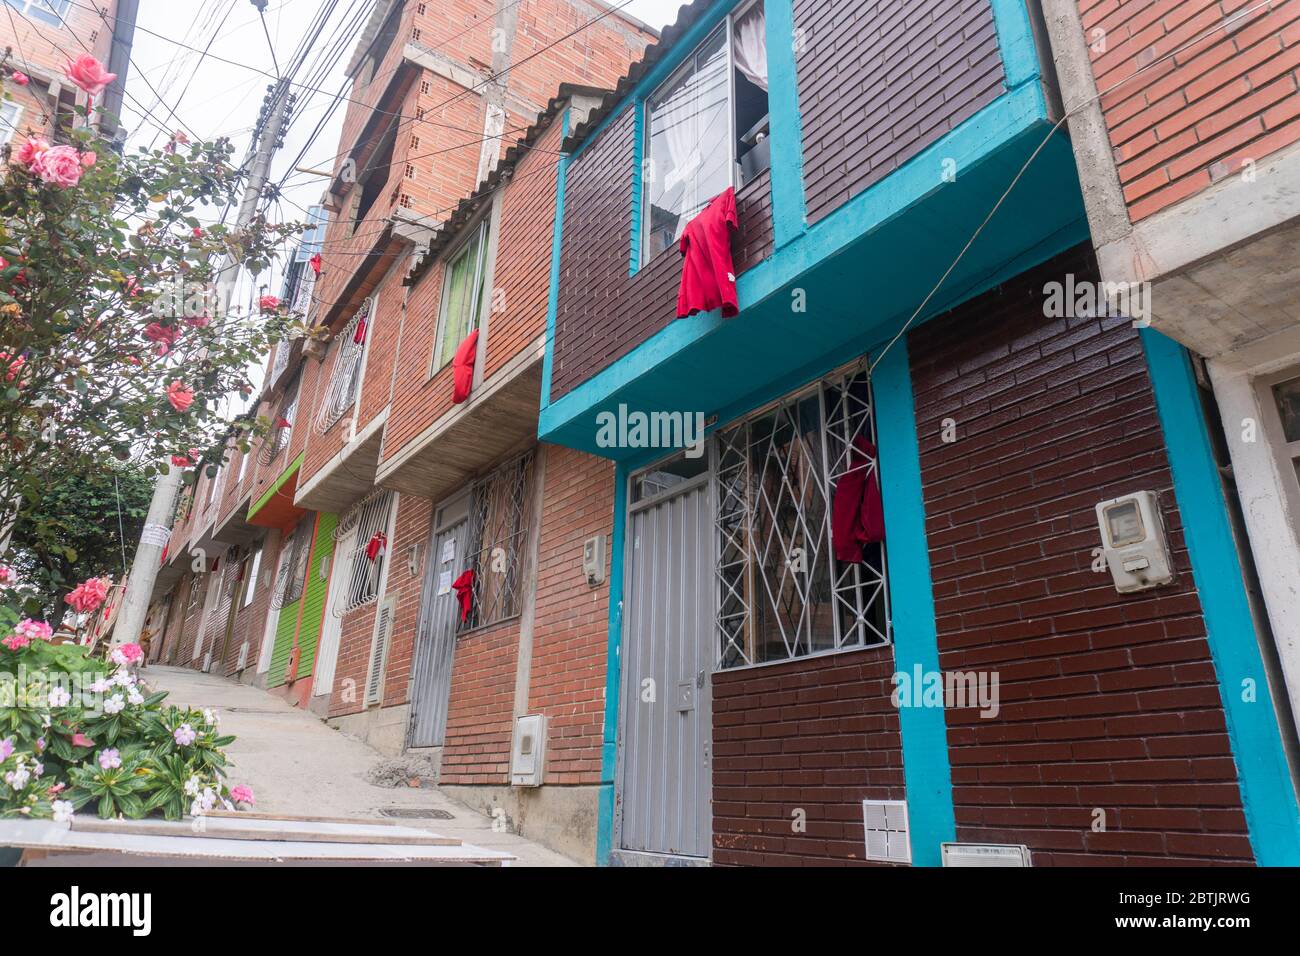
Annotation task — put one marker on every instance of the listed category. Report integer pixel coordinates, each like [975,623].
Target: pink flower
[198,321]
[15,642]
[88,158]
[6,748]
[268,303]
[89,74]
[88,595]
[6,574]
[184,735]
[109,759]
[242,794]
[164,337]
[181,461]
[198,233]
[33,630]
[126,655]
[180,396]
[81,740]
[22,79]
[59,166]
[31,151]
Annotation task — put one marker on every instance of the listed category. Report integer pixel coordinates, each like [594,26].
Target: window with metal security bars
[292,576]
[359,527]
[196,587]
[282,427]
[345,380]
[281,362]
[500,508]
[783,594]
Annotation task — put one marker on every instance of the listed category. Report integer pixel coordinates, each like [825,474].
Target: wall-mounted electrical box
[528,754]
[1133,542]
[593,559]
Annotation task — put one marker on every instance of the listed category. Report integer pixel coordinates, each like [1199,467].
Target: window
[243,464]
[783,594]
[254,568]
[500,507]
[707,128]
[51,11]
[282,426]
[367,519]
[292,576]
[9,114]
[462,295]
[371,181]
[345,380]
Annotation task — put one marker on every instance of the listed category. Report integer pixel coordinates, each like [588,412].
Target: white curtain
[750,51]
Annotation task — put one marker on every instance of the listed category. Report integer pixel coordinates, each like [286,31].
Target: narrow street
[298,765]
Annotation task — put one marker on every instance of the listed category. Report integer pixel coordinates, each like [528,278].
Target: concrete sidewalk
[295,763]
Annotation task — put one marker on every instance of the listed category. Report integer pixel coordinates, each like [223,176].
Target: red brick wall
[1108,701]
[1191,120]
[571,623]
[250,621]
[480,710]
[817,735]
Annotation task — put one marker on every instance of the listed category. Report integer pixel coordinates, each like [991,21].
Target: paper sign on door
[444,582]
[448,550]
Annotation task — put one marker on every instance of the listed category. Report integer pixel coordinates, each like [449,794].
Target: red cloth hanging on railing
[464,588]
[377,546]
[359,336]
[315,264]
[857,511]
[462,368]
[708,276]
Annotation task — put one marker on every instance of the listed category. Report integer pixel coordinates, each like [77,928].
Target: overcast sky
[223,99]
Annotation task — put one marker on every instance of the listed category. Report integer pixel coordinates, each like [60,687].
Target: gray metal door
[435,642]
[668,654]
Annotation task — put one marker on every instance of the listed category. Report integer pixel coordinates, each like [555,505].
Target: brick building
[40,36]
[1053,644]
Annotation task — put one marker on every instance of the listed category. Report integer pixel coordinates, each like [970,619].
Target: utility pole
[157,526]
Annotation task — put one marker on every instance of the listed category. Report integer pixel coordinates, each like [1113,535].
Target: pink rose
[88,158]
[127,655]
[198,233]
[268,303]
[181,461]
[34,630]
[88,595]
[89,74]
[198,321]
[31,151]
[180,396]
[6,574]
[59,166]
[22,79]
[81,740]
[164,337]
[242,794]
[16,642]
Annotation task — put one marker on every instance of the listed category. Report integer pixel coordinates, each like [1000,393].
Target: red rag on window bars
[377,546]
[359,336]
[315,262]
[857,512]
[464,587]
[708,277]
[462,368]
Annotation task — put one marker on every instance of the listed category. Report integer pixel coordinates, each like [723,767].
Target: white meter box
[1134,543]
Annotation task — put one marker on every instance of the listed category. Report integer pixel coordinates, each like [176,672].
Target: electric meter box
[528,759]
[1134,543]
[593,559]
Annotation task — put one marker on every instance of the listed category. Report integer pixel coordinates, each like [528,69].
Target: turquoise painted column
[789,215]
[924,729]
[613,672]
[1267,790]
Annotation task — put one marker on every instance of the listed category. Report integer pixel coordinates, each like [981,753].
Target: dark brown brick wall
[880,80]
[1108,701]
[603,312]
[819,735]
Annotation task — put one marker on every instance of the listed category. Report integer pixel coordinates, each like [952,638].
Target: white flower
[210,716]
[196,809]
[18,778]
[133,696]
[123,679]
[100,686]
[114,705]
[59,697]
[38,768]
[62,810]
[192,786]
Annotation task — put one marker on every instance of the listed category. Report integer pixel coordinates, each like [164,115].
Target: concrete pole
[157,527]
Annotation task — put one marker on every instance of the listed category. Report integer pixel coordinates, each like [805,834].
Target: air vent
[887,837]
[985,854]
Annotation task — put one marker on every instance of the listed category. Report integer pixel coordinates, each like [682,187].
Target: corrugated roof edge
[687,15]
[470,205]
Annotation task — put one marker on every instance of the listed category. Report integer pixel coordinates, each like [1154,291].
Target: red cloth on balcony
[377,546]
[708,277]
[857,512]
[359,336]
[462,367]
[315,264]
[464,588]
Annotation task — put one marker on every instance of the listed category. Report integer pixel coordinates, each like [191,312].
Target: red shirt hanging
[464,587]
[857,512]
[462,367]
[315,264]
[708,277]
[377,546]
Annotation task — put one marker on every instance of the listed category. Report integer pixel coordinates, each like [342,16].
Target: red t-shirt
[708,278]
[462,368]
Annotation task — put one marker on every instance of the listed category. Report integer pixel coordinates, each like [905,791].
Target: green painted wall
[314,595]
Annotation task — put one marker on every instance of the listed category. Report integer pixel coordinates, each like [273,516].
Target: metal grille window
[292,576]
[281,362]
[368,518]
[782,592]
[499,511]
[345,381]
[282,428]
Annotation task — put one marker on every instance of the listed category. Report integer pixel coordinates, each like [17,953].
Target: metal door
[435,641]
[668,655]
